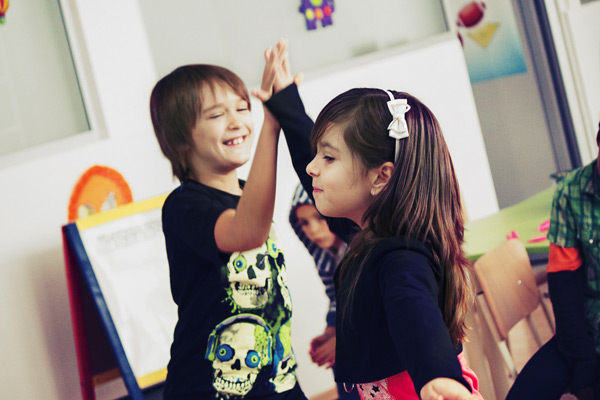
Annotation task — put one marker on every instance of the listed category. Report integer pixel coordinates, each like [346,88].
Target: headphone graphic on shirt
[213,339]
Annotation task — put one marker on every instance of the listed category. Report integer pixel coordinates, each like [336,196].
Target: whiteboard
[435,72]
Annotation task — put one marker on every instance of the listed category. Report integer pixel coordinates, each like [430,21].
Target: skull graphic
[285,292]
[249,275]
[238,348]
[284,360]
[278,261]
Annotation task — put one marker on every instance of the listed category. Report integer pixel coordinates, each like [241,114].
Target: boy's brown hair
[176,103]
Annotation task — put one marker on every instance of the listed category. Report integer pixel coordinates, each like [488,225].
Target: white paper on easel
[129,260]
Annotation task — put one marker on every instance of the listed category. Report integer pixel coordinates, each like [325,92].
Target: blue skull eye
[240,263]
[272,248]
[252,359]
[225,352]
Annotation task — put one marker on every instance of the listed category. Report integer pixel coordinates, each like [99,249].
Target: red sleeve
[563,259]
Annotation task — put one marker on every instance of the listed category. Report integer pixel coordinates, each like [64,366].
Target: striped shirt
[325,260]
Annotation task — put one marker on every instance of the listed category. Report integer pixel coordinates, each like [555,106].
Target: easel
[100,353]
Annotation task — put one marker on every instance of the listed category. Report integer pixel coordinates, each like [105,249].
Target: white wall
[36,341]
[576,34]
[234,33]
[36,337]
[515,131]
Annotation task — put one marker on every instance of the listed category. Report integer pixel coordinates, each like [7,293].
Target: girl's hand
[445,389]
[273,61]
[276,75]
[284,76]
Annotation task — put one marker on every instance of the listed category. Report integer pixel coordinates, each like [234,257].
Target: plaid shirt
[575,222]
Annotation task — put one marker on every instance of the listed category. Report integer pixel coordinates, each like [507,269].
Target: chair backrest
[508,283]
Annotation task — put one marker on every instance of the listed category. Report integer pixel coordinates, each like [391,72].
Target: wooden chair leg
[508,360]
[534,330]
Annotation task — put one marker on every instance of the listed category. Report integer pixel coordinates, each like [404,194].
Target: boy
[232,338]
[571,359]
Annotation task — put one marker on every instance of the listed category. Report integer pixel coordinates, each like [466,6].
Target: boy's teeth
[239,140]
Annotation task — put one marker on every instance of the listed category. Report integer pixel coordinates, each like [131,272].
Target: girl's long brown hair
[422,200]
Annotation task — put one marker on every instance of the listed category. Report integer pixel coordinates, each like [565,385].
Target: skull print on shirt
[261,309]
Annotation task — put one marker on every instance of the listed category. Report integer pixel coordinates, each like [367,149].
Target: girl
[383,171]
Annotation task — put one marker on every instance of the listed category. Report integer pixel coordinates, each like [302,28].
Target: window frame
[88,91]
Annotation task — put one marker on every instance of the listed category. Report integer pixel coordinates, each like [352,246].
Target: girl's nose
[310,168]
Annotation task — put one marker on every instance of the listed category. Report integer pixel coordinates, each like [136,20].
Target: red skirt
[400,386]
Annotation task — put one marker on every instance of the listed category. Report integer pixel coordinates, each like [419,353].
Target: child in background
[327,251]
[402,288]
[570,361]
[232,338]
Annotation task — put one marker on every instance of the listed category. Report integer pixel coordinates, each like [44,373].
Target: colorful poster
[490,38]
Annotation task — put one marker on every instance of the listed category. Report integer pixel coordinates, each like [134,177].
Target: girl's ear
[380,177]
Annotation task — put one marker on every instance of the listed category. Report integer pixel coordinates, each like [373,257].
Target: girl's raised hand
[276,75]
[272,63]
[284,76]
[445,389]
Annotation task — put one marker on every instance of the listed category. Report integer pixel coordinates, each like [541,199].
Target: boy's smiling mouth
[235,141]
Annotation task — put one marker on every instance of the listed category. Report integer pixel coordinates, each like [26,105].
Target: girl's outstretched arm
[410,296]
[247,226]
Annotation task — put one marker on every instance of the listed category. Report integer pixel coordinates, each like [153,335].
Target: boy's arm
[247,227]
[566,283]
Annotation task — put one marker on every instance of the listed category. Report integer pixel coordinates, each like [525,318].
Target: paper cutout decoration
[469,17]
[3,7]
[471,14]
[98,189]
[317,10]
[484,34]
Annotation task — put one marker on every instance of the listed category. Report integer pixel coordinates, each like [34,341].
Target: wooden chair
[508,294]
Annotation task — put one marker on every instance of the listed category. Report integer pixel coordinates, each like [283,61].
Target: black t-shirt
[232,338]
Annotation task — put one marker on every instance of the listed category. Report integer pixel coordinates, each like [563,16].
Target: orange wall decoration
[99,189]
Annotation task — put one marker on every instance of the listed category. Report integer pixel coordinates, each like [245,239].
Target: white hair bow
[398,129]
